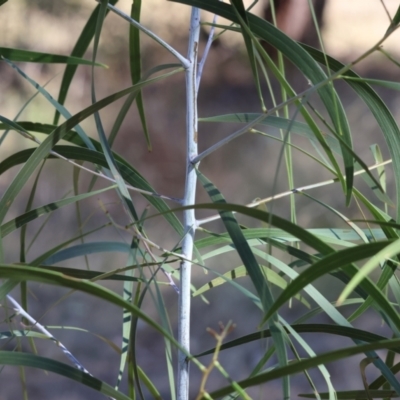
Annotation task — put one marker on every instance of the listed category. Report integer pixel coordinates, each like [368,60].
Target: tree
[273,255]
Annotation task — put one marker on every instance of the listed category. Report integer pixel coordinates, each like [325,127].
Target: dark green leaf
[79,50]
[46,364]
[299,366]
[43,58]
[382,114]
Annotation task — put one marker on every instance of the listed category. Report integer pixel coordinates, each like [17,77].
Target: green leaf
[135,63]
[46,364]
[43,58]
[43,150]
[378,82]
[248,37]
[149,384]
[341,259]
[350,270]
[64,112]
[391,250]
[84,249]
[31,215]
[252,267]
[6,287]
[111,163]
[394,24]
[128,173]
[378,108]
[355,395]
[31,273]
[344,331]
[89,274]
[241,271]
[79,50]
[299,366]
[126,316]
[240,243]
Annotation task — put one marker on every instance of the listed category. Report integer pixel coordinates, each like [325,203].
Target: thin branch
[232,136]
[99,174]
[386,10]
[184,61]
[206,51]
[292,191]
[19,310]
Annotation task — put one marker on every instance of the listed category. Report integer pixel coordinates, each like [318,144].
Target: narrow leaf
[43,58]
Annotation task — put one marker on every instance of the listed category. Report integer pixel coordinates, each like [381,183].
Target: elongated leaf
[6,287]
[356,395]
[126,315]
[394,24]
[310,352]
[252,268]
[63,111]
[350,270]
[241,15]
[382,114]
[345,331]
[89,274]
[46,364]
[378,82]
[382,256]
[385,277]
[340,237]
[43,150]
[79,50]
[149,384]
[43,58]
[341,259]
[84,249]
[127,172]
[241,244]
[135,62]
[23,219]
[49,253]
[31,273]
[111,163]
[239,272]
[299,366]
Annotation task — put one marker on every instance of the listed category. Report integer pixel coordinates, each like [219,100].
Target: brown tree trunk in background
[294,18]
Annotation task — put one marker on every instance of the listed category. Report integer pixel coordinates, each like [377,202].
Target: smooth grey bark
[189,219]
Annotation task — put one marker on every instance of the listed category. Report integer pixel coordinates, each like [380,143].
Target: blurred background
[243,171]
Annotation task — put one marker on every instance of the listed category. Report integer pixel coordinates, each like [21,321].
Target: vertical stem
[189,218]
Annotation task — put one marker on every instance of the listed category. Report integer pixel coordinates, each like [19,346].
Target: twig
[292,191]
[99,174]
[19,310]
[205,53]
[184,61]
